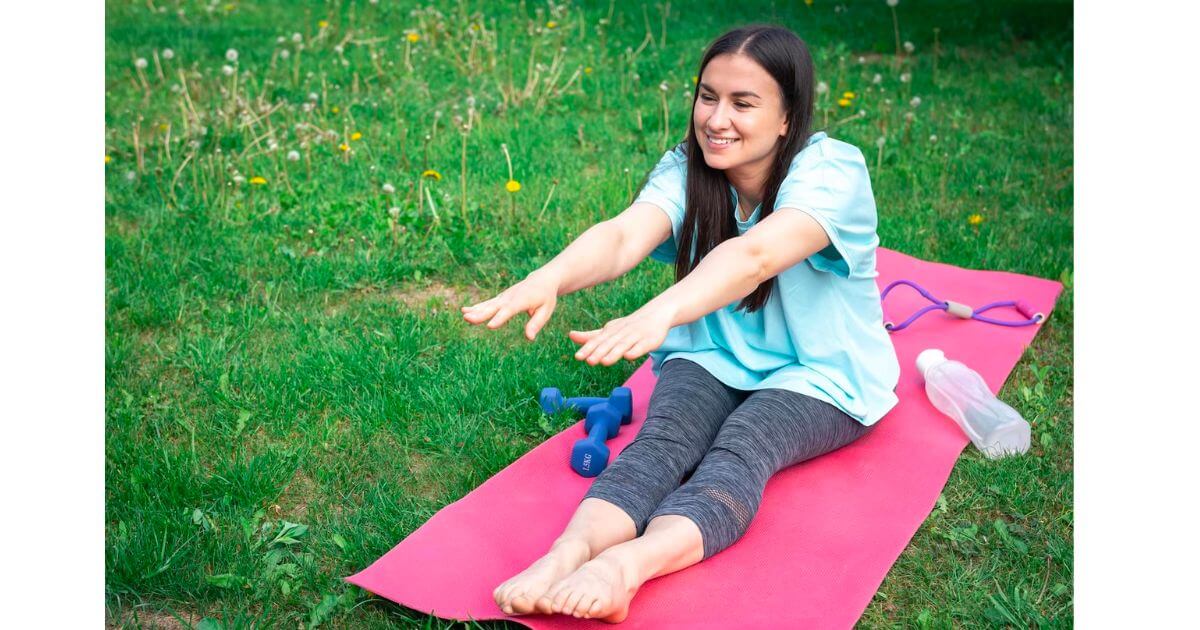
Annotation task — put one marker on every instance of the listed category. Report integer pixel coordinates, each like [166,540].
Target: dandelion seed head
[231,55]
[471,102]
[283,54]
[904,78]
[293,156]
[281,39]
[881,141]
[909,116]
[389,189]
[308,107]
[437,114]
[168,54]
[892,3]
[822,87]
[877,79]
[915,102]
[297,38]
[227,70]
[338,49]
[933,137]
[862,59]
[130,176]
[238,179]
[909,48]
[140,63]
[394,212]
[663,86]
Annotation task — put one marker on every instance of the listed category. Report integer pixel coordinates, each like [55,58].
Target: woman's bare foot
[600,589]
[517,595]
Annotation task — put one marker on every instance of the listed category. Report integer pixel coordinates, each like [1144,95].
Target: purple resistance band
[961,310]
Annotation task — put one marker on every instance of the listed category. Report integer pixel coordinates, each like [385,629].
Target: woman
[769,347]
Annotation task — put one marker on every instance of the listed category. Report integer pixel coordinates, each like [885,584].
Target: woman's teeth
[721,140]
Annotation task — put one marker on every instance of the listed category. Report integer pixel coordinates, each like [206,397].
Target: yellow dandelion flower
[335,109]
[413,37]
[844,102]
[848,95]
[551,24]
[808,2]
[258,180]
[230,7]
[163,126]
[695,80]
[432,173]
[587,70]
[975,219]
[322,24]
[512,186]
[474,27]
[344,147]
[357,135]
[107,159]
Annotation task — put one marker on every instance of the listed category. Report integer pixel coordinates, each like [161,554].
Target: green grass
[292,353]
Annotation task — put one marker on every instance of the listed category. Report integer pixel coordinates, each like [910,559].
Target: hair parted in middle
[708,216]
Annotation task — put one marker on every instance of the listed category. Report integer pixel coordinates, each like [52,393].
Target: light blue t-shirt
[821,332]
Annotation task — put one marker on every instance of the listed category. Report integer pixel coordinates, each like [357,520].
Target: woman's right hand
[537,295]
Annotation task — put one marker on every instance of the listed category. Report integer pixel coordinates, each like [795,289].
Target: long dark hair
[708,216]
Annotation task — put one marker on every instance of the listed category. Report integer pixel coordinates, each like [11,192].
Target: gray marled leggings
[732,439]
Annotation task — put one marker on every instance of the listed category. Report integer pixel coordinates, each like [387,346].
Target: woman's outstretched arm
[603,252]
[730,272]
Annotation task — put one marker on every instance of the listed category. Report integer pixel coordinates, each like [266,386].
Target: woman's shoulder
[822,151]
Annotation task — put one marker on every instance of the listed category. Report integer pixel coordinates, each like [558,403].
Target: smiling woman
[775,311]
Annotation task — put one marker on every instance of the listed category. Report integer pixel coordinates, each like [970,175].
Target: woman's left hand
[626,337]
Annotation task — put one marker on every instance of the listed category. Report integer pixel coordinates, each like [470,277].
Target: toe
[595,608]
[572,601]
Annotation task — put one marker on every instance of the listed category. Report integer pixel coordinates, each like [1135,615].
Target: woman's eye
[706,98]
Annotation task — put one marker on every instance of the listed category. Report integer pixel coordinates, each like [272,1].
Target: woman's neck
[749,189]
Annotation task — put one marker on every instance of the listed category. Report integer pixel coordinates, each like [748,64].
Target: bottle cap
[929,358]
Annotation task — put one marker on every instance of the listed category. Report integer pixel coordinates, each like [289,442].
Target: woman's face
[739,102]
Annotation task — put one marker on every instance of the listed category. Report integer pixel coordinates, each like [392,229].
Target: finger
[583,353]
[540,316]
[480,312]
[604,348]
[581,337]
[618,349]
[636,350]
[503,314]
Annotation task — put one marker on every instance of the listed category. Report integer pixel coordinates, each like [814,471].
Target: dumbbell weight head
[606,415]
[589,457]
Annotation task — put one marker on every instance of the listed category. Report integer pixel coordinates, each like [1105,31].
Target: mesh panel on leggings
[735,506]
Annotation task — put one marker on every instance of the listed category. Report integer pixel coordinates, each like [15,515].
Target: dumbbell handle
[580,404]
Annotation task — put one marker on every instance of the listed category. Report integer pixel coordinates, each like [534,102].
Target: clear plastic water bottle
[961,393]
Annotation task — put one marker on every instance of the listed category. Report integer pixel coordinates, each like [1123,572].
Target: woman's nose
[719,119]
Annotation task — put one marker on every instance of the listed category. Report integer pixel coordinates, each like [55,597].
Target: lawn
[299,197]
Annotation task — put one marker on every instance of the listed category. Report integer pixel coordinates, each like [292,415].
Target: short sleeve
[828,180]
[666,188]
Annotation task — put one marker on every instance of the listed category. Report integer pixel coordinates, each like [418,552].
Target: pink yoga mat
[828,529]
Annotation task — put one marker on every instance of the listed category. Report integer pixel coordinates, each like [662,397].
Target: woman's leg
[771,430]
[685,411]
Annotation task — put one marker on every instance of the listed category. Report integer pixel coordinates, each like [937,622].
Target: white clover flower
[892,3]
[293,156]
[140,63]
[908,47]
[281,39]
[822,87]
[877,79]
[389,189]
[905,77]
[227,70]
[663,86]
[231,55]
[168,54]
[881,141]
[915,102]
[297,38]
[314,97]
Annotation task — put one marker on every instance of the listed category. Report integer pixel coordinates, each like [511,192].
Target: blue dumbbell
[589,456]
[621,399]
